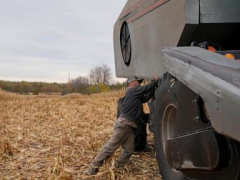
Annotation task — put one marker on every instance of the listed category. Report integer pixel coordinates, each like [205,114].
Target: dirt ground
[54,137]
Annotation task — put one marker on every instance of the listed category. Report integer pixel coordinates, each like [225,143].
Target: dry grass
[55,137]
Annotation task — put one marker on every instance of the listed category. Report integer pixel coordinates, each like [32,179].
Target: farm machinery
[194,46]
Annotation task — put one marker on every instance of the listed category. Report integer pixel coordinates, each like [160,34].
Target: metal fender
[215,78]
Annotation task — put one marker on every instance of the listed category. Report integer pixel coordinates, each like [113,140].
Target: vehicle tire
[165,107]
[237,156]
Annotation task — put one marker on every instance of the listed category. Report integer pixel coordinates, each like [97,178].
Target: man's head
[133,81]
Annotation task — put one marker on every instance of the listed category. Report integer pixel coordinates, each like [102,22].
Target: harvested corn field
[54,137]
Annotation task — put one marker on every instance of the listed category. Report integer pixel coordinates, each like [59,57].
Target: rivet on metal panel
[197,119]
[218,91]
[194,101]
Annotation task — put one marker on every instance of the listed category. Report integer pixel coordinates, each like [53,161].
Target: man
[123,134]
[141,131]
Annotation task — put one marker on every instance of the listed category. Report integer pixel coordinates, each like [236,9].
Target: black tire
[165,102]
[165,106]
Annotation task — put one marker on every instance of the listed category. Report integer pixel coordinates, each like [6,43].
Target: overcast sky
[42,40]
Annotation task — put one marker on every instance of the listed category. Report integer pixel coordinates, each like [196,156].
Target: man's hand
[156,76]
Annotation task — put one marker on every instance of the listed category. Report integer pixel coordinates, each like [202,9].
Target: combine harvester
[194,45]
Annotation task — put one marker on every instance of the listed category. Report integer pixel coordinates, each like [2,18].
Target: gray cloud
[43,40]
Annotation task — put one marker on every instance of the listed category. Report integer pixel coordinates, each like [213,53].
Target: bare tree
[100,74]
[92,76]
[106,73]
[79,81]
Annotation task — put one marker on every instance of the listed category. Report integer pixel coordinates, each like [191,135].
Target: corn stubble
[55,138]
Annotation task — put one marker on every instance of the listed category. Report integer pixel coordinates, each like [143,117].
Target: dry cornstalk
[54,137]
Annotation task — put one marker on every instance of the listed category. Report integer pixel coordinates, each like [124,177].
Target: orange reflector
[211,48]
[230,56]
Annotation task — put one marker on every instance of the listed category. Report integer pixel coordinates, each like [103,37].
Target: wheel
[230,171]
[165,110]
[165,107]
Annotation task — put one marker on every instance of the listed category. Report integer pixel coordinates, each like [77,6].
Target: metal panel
[150,33]
[156,24]
[194,151]
[188,115]
[219,11]
[215,78]
[173,154]
[192,11]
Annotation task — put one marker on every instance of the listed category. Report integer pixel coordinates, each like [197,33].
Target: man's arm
[148,96]
[142,90]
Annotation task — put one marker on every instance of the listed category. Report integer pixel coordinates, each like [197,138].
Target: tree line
[99,80]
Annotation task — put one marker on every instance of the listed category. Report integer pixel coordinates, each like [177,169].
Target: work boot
[91,170]
[119,165]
